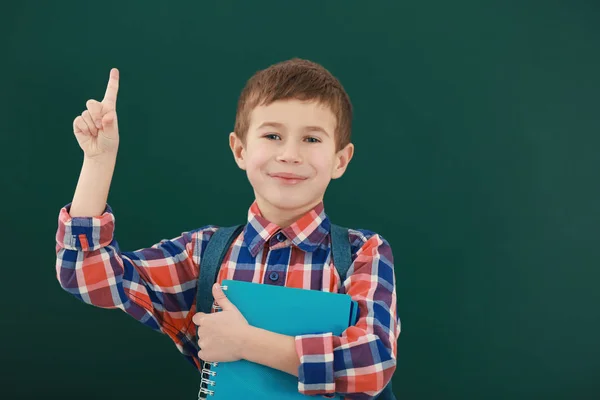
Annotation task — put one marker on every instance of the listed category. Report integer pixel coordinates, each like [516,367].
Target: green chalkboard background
[477,131]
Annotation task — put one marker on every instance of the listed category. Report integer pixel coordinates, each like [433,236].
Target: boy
[291,136]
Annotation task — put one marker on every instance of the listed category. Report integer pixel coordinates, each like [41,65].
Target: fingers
[79,126]
[197,318]
[87,118]
[110,96]
[83,125]
[90,121]
[202,355]
[95,109]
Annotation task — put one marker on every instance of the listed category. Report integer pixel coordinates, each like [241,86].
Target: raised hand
[96,129]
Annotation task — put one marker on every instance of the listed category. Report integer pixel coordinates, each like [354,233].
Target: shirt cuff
[315,373]
[84,233]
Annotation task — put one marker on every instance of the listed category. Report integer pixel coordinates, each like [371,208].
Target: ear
[238,150]
[343,158]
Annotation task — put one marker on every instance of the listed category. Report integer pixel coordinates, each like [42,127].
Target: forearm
[93,186]
[271,349]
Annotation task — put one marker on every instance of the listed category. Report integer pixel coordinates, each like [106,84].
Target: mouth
[287,178]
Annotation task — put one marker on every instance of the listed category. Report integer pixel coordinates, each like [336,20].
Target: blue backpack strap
[342,259]
[210,263]
[340,247]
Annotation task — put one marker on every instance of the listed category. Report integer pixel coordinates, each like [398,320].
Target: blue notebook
[284,310]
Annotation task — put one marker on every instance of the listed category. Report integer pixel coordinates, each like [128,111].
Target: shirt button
[280,237]
[273,276]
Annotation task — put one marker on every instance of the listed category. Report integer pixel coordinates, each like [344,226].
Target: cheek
[323,164]
[255,162]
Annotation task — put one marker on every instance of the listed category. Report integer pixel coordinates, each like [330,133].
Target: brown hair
[295,79]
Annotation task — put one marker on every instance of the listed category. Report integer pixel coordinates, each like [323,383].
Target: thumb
[221,298]
[109,122]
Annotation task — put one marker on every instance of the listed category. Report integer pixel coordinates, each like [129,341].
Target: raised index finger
[112,88]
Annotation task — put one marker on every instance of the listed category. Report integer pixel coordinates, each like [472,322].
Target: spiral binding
[203,393]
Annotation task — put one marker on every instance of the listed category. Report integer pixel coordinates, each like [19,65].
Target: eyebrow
[279,125]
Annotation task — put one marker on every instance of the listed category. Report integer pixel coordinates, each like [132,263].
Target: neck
[282,217]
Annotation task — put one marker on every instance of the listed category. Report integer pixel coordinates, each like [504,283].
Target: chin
[287,204]
[287,201]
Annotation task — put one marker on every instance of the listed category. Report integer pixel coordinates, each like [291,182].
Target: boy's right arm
[97,133]
[155,285]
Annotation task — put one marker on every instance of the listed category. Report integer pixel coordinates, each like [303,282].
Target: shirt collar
[307,232]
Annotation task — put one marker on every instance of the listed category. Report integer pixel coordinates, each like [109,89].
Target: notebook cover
[289,311]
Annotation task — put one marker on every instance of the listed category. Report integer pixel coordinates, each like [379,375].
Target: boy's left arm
[360,362]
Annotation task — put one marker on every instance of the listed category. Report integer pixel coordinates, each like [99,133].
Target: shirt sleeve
[360,362]
[155,285]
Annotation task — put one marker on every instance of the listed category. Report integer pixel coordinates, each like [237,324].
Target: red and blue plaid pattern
[157,286]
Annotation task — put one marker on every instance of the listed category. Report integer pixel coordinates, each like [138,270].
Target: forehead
[294,113]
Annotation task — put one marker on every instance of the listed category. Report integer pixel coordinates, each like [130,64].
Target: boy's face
[289,156]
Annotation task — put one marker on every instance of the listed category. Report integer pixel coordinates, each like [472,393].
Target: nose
[290,153]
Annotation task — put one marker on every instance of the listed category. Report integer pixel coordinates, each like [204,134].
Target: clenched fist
[96,129]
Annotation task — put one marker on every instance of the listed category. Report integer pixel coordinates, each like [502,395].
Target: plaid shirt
[157,286]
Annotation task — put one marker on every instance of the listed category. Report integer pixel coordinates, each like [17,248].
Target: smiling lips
[287,178]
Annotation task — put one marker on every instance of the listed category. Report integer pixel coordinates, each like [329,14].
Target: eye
[312,139]
[272,136]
